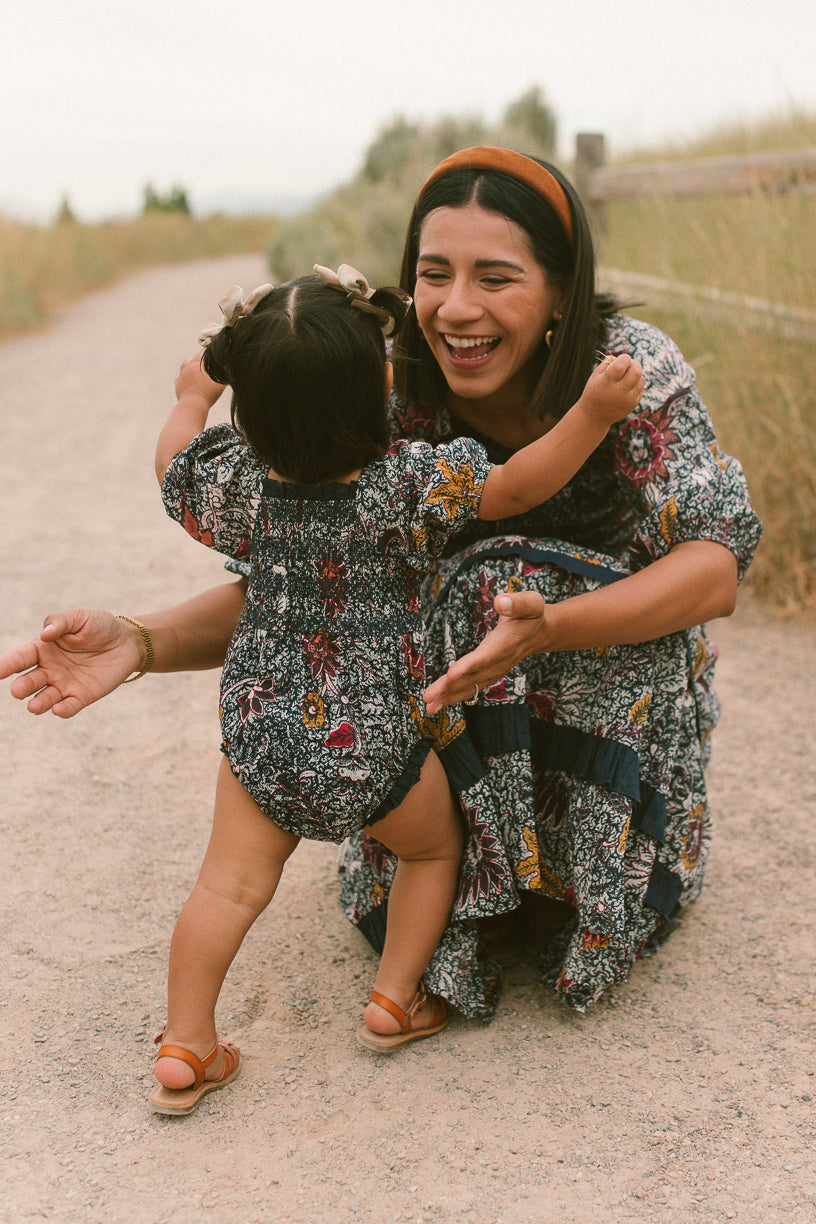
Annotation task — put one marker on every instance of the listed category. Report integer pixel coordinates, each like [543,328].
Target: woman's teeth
[471,348]
[465,342]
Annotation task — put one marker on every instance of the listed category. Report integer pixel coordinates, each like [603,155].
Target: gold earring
[548,335]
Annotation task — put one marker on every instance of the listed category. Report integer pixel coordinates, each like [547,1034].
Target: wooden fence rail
[786,170]
[750,313]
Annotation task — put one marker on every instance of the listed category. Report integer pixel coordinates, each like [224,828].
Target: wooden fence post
[590,155]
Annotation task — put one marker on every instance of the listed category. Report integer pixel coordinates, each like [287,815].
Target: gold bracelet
[150,656]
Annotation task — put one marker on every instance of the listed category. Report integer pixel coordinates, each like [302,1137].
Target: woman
[576,732]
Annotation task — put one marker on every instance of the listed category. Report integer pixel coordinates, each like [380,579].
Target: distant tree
[151,199]
[450,134]
[392,151]
[174,201]
[65,213]
[531,119]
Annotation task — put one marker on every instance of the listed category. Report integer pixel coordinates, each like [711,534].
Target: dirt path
[687,1094]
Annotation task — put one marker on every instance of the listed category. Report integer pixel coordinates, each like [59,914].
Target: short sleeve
[689,489]
[418,495]
[213,489]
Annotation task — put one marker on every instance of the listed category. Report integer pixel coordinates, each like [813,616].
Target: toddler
[321,692]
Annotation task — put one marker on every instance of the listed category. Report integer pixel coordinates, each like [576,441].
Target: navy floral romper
[321,692]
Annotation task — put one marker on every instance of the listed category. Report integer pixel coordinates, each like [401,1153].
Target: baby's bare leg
[426,834]
[238,878]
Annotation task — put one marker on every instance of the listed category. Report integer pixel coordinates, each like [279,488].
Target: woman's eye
[433,275]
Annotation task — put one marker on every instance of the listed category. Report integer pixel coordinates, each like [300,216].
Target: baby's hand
[191,380]
[614,388]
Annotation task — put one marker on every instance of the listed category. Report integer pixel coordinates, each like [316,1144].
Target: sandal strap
[230,1059]
[402,1016]
[198,1065]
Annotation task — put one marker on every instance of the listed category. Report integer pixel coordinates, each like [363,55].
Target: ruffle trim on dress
[499,729]
[407,779]
[591,757]
[663,891]
[373,926]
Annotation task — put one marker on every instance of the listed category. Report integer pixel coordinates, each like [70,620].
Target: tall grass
[791,129]
[761,391]
[42,268]
[758,245]
[759,386]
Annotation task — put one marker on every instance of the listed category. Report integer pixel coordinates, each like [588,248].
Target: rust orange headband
[485,157]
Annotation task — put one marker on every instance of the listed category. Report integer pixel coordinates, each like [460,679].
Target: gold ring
[472,700]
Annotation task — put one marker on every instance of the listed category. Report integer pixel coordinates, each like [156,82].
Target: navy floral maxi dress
[321,692]
[580,775]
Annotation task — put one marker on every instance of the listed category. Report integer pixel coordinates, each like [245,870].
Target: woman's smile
[471,348]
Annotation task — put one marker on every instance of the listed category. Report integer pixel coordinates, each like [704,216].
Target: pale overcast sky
[270,98]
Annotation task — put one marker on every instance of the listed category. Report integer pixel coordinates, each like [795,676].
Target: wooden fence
[783,171]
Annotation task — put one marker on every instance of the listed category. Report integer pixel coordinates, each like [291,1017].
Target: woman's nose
[461,305]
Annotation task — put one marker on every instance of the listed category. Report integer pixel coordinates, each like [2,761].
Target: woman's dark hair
[575,339]
[307,372]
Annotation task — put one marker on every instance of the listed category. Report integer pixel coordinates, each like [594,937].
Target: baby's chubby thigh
[247,850]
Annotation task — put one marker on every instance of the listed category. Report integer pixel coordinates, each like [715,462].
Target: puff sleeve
[418,495]
[213,489]
[688,488]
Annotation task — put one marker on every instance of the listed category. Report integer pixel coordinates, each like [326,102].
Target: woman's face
[483,302]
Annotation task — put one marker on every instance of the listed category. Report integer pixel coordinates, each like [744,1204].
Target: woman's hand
[84,654]
[80,656]
[522,621]
[696,581]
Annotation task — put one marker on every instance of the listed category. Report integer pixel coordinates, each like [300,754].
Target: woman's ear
[389,380]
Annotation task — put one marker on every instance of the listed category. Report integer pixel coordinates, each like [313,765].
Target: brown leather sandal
[175,1102]
[384,1043]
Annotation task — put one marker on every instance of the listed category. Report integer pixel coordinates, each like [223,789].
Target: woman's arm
[194,635]
[696,581]
[84,654]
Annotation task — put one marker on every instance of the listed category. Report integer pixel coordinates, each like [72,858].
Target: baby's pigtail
[394,303]
[387,306]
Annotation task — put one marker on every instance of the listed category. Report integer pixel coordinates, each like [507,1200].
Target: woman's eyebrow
[479,263]
[499,263]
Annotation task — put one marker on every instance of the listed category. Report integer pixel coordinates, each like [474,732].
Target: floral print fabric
[580,775]
[322,683]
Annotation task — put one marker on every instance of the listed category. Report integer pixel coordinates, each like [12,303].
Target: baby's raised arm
[539,470]
[195,394]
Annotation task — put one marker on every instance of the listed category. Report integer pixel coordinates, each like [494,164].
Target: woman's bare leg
[426,834]
[238,878]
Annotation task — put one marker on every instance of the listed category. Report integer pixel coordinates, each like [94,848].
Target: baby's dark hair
[307,372]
